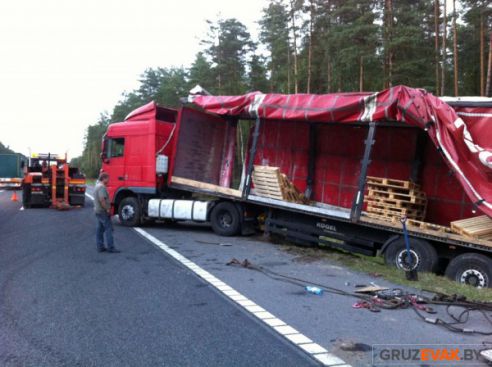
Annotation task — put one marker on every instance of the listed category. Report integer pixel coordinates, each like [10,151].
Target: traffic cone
[14,196]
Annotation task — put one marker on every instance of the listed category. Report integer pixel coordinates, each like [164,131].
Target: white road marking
[21,208]
[288,332]
[315,350]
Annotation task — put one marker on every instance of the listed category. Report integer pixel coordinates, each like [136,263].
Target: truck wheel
[225,219]
[424,255]
[129,212]
[472,269]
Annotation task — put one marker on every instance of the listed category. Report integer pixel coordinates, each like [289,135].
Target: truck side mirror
[104,158]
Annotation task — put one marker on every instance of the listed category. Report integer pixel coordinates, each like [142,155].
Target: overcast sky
[62,62]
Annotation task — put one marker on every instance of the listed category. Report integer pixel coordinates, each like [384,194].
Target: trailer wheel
[472,269]
[129,212]
[225,219]
[424,255]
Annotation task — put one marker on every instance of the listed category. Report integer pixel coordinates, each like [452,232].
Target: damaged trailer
[327,150]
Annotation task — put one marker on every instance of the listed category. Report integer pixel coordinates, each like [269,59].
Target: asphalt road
[64,304]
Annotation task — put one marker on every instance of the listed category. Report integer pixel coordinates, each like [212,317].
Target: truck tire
[424,255]
[129,212]
[472,269]
[225,219]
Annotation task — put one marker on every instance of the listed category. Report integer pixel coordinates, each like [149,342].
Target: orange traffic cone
[14,196]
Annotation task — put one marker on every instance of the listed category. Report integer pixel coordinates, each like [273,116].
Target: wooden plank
[394,203]
[412,198]
[394,189]
[452,236]
[428,226]
[390,182]
[205,186]
[475,227]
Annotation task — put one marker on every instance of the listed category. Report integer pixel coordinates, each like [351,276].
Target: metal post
[311,161]
[420,145]
[252,153]
[359,197]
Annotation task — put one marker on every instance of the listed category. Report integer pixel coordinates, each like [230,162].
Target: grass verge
[375,266]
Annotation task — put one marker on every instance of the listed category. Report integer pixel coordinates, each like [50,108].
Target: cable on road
[458,308]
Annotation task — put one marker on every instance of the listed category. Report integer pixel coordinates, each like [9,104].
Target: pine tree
[201,73]
[257,75]
[274,34]
[228,43]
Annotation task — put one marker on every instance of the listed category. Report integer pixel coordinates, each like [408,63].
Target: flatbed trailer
[329,161]
[11,170]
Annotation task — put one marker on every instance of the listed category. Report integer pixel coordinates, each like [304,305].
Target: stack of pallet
[476,227]
[271,183]
[390,199]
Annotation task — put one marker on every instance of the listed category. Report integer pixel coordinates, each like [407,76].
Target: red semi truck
[197,164]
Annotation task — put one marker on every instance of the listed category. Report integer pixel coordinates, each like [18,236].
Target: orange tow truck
[50,181]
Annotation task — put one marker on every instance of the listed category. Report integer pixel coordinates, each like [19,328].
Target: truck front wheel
[225,219]
[129,212]
[424,255]
[472,269]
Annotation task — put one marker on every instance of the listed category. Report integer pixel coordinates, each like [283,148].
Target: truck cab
[134,154]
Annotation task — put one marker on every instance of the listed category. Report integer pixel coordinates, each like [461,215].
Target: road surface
[64,304]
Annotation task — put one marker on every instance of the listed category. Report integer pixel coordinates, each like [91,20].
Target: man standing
[102,207]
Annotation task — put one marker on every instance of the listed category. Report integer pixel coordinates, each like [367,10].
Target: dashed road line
[288,332]
[313,349]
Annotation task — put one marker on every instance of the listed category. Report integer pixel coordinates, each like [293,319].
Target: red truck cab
[129,155]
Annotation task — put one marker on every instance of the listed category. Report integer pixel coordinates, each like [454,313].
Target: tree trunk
[288,68]
[489,68]
[388,32]
[310,47]
[436,42]
[361,74]
[482,46]
[294,39]
[455,50]
[328,76]
[444,53]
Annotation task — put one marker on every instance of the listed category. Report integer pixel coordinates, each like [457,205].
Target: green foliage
[89,162]
[274,34]
[340,45]
[5,149]
[227,45]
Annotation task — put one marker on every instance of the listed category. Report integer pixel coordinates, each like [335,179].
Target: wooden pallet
[428,226]
[412,192]
[412,224]
[389,182]
[396,212]
[417,198]
[271,183]
[394,198]
[476,227]
[395,203]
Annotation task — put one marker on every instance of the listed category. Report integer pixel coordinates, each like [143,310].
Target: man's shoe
[113,251]
[101,250]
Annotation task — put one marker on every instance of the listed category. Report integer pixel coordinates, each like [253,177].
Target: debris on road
[457,307]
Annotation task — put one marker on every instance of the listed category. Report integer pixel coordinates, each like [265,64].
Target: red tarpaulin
[463,136]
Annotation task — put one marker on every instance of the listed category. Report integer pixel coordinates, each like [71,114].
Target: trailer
[199,163]
[50,181]
[11,170]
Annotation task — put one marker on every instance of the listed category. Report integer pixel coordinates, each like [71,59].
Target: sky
[63,62]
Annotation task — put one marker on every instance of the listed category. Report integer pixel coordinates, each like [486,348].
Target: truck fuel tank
[178,209]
